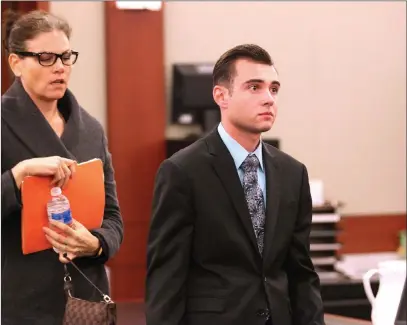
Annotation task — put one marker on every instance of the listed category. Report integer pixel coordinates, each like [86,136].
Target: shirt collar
[239,153]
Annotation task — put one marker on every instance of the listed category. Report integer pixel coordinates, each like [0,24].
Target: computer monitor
[401,318]
[192,100]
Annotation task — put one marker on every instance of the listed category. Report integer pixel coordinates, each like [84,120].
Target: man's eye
[254,87]
[274,90]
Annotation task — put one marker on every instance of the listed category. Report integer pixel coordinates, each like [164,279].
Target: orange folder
[86,195]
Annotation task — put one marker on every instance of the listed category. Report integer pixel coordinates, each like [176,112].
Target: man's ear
[15,64]
[221,96]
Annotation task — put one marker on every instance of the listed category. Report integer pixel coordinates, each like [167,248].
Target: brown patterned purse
[84,312]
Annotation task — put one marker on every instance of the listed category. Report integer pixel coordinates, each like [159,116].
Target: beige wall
[343,70]
[88,80]
[343,97]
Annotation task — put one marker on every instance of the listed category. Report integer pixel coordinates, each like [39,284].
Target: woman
[45,132]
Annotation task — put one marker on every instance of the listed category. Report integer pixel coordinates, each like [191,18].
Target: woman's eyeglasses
[48,59]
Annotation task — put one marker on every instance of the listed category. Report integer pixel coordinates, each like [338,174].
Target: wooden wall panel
[6,76]
[136,239]
[370,233]
[126,283]
[43,5]
[136,132]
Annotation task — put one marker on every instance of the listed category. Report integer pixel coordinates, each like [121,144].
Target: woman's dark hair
[17,29]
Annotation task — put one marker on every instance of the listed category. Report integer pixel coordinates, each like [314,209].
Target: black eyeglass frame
[38,56]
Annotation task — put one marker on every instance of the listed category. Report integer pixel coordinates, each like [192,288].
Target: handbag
[84,312]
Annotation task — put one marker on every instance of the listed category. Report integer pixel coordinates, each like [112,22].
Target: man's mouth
[58,82]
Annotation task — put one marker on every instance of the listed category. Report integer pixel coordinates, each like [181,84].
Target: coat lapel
[225,169]
[70,137]
[31,127]
[273,200]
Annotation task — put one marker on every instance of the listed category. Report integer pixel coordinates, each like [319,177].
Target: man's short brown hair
[224,70]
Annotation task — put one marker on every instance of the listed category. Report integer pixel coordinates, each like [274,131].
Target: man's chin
[264,127]
[255,128]
[258,129]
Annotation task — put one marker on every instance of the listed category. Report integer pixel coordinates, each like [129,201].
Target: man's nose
[269,98]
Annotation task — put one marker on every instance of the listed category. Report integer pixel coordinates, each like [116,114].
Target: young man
[229,234]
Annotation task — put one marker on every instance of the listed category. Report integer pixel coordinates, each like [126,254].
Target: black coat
[203,264]
[32,285]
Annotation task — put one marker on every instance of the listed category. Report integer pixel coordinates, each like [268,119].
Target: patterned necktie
[254,198]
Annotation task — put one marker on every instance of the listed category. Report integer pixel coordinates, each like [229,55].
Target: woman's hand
[61,168]
[75,240]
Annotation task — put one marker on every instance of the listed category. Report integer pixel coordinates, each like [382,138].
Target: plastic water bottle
[58,208]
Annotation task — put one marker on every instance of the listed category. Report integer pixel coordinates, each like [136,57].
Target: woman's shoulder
[8,101]
[89,121]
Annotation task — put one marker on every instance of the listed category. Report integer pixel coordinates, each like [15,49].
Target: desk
[131,313]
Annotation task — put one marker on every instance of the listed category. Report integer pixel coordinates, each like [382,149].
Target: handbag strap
[67,278]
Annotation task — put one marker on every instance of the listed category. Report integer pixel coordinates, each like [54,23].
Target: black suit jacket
[203,263]
[32,285]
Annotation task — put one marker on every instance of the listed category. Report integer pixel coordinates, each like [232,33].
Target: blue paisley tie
[254,198]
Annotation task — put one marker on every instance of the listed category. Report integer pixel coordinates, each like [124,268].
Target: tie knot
[250,164]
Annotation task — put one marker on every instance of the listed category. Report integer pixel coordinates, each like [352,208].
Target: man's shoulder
[283,157]
[191,154]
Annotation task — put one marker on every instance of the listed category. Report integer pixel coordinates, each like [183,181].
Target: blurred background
[145,75]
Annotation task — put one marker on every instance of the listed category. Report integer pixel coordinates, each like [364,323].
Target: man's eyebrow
[275,82]
[254,81]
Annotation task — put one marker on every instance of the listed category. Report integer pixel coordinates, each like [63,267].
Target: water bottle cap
[55,191]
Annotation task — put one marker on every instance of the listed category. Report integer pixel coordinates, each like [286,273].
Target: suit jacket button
[261,313]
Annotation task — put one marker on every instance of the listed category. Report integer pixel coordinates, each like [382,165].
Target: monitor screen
[192,100]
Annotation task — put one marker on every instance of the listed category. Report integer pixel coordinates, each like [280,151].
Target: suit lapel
[31,127]
[273,200]
[225,169]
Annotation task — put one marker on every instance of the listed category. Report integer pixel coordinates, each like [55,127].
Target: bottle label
[65,217]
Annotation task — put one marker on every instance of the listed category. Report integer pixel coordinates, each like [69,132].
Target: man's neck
[247,140]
